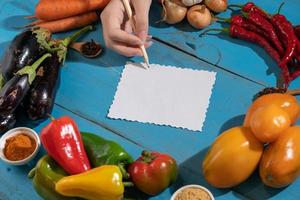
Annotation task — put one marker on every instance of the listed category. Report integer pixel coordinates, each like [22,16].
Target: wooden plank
[240,57]
[88,87]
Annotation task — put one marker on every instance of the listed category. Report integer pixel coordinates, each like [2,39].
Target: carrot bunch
[64,15]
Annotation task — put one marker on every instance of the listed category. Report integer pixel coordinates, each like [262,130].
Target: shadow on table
[190,172]
[255,189]
[233,122]
[15,23]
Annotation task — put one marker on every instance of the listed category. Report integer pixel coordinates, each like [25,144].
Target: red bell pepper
[153,172]
[62,140]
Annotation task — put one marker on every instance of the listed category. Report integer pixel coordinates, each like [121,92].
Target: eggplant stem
[31,70]
[2,82]
[63,44]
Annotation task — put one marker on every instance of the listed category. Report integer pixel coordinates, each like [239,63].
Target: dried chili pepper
[243,22]
[239,32]
[286,32]
[251,7]
[267,27]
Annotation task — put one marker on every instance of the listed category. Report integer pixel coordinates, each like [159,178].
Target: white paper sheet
[163,95]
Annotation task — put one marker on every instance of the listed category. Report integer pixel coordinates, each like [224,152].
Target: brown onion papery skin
[216,5]
[280,163]
[199,16]
[172,12]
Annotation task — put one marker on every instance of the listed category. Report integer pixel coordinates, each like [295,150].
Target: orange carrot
[50,10]
[70,23]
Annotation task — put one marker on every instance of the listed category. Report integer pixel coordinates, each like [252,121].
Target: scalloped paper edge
[162,124]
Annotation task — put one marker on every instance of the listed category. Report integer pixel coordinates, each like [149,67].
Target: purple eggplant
[24,50]
[41,96]
[7,122]
[14,91]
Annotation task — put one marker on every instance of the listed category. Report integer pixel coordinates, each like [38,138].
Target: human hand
[117,30]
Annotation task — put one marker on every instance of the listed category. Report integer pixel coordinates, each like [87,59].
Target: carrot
[50,10]
[69,23]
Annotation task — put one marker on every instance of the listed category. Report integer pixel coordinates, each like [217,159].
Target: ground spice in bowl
[193,193]
[19,147]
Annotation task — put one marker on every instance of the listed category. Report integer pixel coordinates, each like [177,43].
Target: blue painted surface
[88,86]
[240,57]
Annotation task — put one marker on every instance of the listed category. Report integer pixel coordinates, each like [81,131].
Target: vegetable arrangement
[267,139]
[30,74]
[197,12]
[86,166]
[274,33]
[64,15]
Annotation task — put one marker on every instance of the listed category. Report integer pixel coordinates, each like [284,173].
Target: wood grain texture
[240,57]
[88,87]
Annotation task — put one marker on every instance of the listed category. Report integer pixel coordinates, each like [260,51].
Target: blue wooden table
[88,86]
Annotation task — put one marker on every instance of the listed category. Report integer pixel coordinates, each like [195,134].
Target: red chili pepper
[62,140]
[286,32]
[267,27]
[239,32]
[251,7]
[243,22]
[297,31]
[153,172]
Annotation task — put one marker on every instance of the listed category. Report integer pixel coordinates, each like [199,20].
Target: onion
[173,11]
[199,16]
[216,5]
[191,2]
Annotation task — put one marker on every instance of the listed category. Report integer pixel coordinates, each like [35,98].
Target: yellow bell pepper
[101,183]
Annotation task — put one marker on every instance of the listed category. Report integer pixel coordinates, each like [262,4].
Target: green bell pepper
[105,152]
[45,175]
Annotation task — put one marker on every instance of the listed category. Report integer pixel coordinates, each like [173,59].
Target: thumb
[141,8]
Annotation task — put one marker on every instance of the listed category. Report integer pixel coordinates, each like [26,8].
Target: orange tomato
[287,102]
[268,122]
[280,164]
[232,158]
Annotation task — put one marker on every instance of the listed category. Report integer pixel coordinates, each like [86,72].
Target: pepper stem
[235,6]
[31,70]
[147,156]
[31,173]
[293,92]
[128,184]
[123,171]
[246,15]
[223,19]
[63,44]
[2,82]
[279,8]
[51,117]
[225,30]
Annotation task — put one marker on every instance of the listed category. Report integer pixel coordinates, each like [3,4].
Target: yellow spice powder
[193,193]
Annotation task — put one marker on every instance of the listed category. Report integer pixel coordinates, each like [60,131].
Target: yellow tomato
[268,122]
[232,158]
[287,102]
[280,164]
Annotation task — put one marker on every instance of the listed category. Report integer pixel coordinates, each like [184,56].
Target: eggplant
[14,91]
[7,122]
[41,96]
[24,50]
